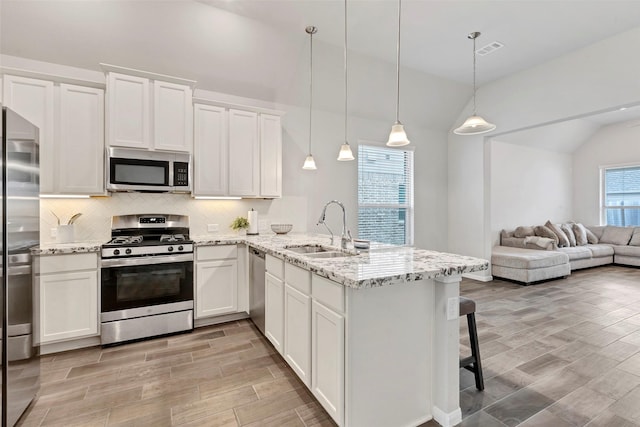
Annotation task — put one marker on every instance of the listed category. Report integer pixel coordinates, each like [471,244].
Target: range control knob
[180,248]
[170,248]
[116,252]
[128,251]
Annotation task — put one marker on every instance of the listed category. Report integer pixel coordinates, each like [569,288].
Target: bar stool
[472,363]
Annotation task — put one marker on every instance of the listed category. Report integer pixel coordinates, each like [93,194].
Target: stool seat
[467,306]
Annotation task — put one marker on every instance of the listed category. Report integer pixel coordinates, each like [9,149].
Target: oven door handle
[133,261]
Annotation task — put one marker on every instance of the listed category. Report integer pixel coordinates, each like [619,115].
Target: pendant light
[398,137]
[475,124]
[309,163]
[345,154]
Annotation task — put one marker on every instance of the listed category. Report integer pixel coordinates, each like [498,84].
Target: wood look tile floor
[561,353]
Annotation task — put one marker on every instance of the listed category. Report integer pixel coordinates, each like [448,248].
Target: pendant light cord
[474,74]
[345,72]
[310,86]
[398,66]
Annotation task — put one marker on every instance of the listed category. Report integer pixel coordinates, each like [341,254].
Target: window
[621,196]
[385,194]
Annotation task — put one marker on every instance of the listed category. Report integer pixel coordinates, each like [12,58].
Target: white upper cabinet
[128,111]
[80,150]
[71,123]
[210,151]
[244,166]
[148,111]
[270,156]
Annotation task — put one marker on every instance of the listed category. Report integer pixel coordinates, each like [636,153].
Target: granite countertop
[381,265]
[66,248]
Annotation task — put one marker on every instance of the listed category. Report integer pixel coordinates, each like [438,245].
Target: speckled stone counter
[66,248]
[379,266]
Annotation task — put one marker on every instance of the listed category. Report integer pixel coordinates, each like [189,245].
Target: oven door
[137,286]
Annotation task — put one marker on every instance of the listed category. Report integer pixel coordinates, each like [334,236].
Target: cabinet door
[33,100]
[297,332]
[216,288]
[172,117]
[274,311]
[68,305]
[270,156]
[80,151]
[128,111]
[244,166]
[327,350]
[210,151]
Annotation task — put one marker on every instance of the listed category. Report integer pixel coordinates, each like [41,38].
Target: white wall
[597,78]
[612,145]
[528,186]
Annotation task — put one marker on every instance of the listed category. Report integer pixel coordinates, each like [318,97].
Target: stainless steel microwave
[130,169]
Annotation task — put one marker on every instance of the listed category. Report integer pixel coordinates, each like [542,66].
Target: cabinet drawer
[275,266]
[328,293]
[69,262]
[217,252]
[298,278]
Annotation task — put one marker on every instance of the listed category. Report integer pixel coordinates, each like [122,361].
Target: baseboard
[478,276]
[208,321]
[58,347]
[447,420]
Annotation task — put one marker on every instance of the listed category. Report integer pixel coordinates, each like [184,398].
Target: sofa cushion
[597,230]
[568,230]
[523,231]
[524,243]
[543,231]
[616,235]
[563,240]
[580,233]
[591,237]
[627,250]
[635,237]
[576,252]
[601,250]
[526,258]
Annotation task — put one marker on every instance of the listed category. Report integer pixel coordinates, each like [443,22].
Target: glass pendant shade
[474,125]
[345,153]
[309,163]
[397,137]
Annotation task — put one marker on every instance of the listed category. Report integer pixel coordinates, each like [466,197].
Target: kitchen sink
[307,249]
[328,254]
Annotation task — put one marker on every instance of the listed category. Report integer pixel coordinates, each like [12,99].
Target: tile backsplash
[95,222]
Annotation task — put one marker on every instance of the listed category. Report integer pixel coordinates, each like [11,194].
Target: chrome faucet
[346,234]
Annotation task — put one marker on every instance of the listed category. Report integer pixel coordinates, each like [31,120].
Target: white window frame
[603,189]
[410,206]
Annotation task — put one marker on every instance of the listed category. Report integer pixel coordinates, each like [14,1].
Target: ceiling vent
[490,48]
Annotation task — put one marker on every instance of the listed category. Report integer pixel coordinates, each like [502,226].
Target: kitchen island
[389,317]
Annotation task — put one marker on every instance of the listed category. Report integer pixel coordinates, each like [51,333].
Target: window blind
[385,194]
[622,196]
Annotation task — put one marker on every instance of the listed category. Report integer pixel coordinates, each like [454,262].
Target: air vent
[490,48]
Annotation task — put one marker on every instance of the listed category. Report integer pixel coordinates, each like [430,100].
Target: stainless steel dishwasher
[256,283]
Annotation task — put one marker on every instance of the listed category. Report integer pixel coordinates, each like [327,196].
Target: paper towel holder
[252,216]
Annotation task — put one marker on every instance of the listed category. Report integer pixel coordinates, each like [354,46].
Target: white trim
[384,145]
[224,104]
[479,276]
[147,75]
[56,78]
[214,320]
[75,344]
[447,420]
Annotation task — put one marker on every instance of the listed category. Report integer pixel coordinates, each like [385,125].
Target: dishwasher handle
[257,252]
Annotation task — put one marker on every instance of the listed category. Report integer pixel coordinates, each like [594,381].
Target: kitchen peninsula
[375,334]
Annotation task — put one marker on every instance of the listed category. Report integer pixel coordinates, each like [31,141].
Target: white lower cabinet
[67,297]
[297,332]
[274,311]
[216,280]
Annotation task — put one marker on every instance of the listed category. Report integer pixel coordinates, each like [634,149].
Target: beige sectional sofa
[528,258]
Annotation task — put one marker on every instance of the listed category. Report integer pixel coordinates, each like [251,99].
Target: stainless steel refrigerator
[20,232]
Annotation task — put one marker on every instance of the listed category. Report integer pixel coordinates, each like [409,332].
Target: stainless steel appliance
[256,280]
[130,169]
[20,232]
[146,278]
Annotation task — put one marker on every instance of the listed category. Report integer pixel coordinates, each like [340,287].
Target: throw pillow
[542,231]
[635,237]
[591,237]
[581,234]
[616,235]
[523,232]
[569,232]
[563,240]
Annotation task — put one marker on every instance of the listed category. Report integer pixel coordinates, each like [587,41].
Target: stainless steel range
[147,278]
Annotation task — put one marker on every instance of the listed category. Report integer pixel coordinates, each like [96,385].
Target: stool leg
[475,351]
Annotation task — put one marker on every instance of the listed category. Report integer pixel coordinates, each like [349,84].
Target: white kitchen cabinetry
[274,302]
[270,156]
[71,123]
[66,297]
[244,166]
[216,280]
[210,164]
[144,111]
[297,321]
